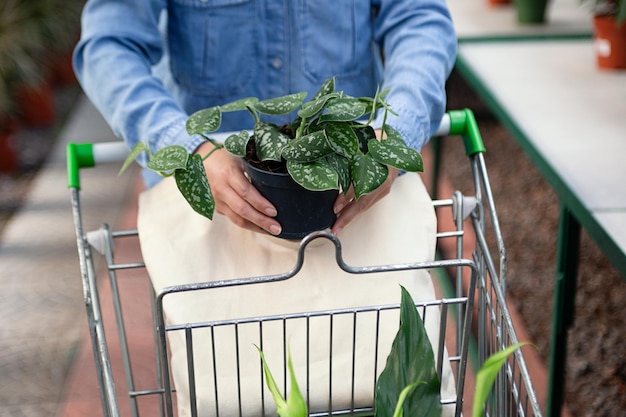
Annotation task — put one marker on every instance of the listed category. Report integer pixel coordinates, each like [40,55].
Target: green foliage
[410,361]
[487,375]
[294,406]
[409,384]
[328,150]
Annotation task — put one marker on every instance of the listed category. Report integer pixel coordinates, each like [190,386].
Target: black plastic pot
[300,211]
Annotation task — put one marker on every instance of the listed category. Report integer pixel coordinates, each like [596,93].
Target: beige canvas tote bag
[181,247]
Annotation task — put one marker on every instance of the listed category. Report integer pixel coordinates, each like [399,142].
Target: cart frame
[479,303]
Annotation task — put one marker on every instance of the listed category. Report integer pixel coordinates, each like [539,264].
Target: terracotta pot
[496,3]
[609,42]
[36,106]
[9,160]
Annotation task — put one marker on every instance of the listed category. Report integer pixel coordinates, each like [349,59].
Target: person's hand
[234,196]
[347,207]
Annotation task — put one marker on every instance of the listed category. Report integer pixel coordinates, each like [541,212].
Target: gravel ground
[528,212]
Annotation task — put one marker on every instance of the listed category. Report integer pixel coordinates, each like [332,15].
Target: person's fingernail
[270,211]
[275,230]
[337,230]
[338,208]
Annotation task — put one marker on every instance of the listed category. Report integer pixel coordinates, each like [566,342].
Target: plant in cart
[329,147]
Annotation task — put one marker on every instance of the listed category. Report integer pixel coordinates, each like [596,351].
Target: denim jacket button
[277,63]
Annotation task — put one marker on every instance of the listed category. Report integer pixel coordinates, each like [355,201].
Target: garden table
[475,20]
[568,116]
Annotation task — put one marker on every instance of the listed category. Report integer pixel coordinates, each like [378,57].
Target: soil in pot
[610,42]
[300,211]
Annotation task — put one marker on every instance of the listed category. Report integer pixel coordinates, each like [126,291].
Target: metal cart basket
[474,318]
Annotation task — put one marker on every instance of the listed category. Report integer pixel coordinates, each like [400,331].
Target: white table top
[475,19]
[571,113]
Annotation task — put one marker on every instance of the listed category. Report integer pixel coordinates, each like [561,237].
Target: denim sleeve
[419,46]
[119,46]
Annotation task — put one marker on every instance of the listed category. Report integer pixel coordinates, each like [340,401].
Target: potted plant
[609,21]
[21,67]
[8,126]
[329,147]
[531,12]
[58,26]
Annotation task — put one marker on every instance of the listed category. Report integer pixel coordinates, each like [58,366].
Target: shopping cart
[475,307]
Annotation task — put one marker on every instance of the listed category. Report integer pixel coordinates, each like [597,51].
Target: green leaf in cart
[294,406]
[410,361]
[194,186]
[169,159]
[487,375]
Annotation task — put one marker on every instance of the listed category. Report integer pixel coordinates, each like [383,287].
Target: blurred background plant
[36,41]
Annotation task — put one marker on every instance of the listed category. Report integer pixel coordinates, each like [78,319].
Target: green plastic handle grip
[78,156]
[463,123]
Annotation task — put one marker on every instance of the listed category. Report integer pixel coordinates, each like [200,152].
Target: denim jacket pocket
[335,41]
[212,45]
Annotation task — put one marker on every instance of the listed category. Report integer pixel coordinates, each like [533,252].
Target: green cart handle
[462,123]
[87,155]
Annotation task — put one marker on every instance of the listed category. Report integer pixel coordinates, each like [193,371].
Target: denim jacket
[147,64]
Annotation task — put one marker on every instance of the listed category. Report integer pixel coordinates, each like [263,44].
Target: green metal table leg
[564,306]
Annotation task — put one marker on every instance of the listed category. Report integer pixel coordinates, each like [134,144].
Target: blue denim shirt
[147,64]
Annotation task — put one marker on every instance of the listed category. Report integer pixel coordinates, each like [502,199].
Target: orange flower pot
[610,42]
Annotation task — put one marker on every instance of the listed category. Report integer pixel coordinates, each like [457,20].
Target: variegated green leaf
[168,159]
[281,105]
[326,88]
[344,110]
[194,186]
[316,176]
[399,156]
[269,141]
[314,107]
[204,121]
[240,104]
[307,148]
[367,174]
[236,144]
[342,138]
[342,166]
[393,135]
[134,153]
[364,134]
